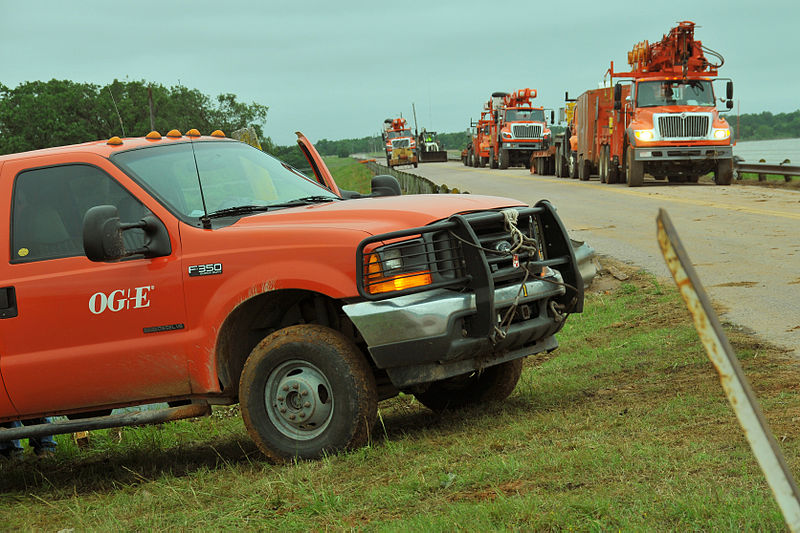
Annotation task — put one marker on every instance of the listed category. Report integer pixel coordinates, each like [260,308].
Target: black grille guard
[476,275]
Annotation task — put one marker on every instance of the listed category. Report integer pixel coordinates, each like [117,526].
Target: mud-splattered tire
[492,384]
[306,391]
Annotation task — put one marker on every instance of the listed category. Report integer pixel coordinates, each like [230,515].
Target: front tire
[723,174]
[502,163]
[634,170]
[491,384]
[306,391]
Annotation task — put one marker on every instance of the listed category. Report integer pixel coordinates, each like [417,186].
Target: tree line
[765,125]
[41,114]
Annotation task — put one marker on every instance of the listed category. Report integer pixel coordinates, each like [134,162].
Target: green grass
[771,180]
[349,174]
[624,427]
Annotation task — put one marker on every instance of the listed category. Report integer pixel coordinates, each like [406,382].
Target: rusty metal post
[737,389]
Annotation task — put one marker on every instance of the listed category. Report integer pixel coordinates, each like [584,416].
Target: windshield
[392,134]
[674,92]
[232,174]
[515,115]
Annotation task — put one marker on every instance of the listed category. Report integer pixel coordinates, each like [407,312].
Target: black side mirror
[385,185]
[102,235]
[729,104]
[729,91]
[617,97]
[552,117]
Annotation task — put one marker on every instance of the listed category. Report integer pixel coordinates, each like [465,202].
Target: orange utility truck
[478,150]
[661,119]
[399,143]
[195,270]
[517,128]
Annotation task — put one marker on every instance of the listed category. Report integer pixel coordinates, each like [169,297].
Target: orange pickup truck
[194,270]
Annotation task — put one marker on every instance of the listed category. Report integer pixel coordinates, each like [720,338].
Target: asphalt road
[743,241]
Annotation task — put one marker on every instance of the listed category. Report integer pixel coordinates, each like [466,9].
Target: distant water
[774,151]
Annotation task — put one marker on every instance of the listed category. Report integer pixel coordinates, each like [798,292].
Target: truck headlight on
[644,135]
[720,134]
[507,135]
[396,268]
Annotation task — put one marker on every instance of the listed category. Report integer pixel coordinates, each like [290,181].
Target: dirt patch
[795,282]
[610,274]
[737,284]
[771,184]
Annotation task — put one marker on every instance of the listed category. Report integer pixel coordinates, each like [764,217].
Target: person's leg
[11,448]
[41,445]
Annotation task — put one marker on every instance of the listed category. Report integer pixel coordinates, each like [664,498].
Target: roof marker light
[174,134]
[153,136]
[114,141]
[217,133]
[193,133]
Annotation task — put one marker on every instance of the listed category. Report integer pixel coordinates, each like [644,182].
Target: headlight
[391,260]
[507,135]
[644,135]
[396,268]
[720,133]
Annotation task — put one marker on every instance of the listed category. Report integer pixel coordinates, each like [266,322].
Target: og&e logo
[115,301]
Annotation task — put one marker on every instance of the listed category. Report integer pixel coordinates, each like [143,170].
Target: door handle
[8,302]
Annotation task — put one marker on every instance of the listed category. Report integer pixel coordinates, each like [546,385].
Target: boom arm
[678,53]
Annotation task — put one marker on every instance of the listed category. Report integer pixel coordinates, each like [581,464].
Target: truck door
[85,334]
[6,407]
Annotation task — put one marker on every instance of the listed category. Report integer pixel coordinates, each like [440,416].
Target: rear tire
[603,167]
[584,168]
[573,165]
[306,391]
[492,159]
[491,384]
[634,170]
[723,174]
[613,169]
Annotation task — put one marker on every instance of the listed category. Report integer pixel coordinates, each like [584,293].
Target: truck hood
[376,215]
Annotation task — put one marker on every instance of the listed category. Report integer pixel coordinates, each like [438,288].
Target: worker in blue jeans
[41,445]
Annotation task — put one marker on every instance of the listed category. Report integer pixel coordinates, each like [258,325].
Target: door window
[49,205]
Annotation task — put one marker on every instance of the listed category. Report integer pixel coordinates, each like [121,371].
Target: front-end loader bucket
[438,156]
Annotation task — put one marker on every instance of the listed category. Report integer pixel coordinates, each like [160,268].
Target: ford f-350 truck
[197,270]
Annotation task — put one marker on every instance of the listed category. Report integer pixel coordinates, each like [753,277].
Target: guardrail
[411,183]
[762,169]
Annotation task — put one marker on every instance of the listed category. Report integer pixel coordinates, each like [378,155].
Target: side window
[49,205]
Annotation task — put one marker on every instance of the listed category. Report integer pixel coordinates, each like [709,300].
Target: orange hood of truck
[376,215]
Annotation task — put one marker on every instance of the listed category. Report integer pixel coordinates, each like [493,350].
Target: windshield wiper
[238,210]
[306,200]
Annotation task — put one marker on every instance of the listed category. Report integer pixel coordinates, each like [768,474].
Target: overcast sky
[337,69]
